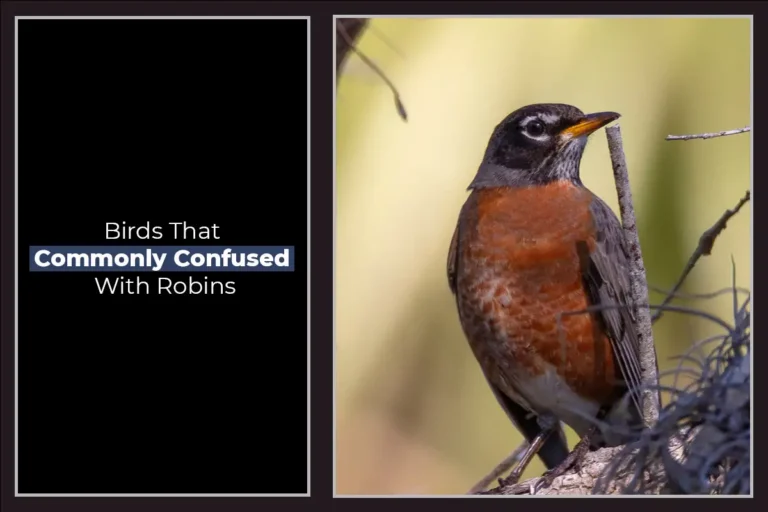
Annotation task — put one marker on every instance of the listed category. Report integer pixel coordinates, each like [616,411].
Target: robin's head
[538,144]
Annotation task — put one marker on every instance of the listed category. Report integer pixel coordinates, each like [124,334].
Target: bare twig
[706,242]
[709,135]
[648,362]
[350,43]
[353,28]
[710,295]
[503,466]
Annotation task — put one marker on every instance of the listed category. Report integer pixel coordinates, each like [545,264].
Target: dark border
[321,225]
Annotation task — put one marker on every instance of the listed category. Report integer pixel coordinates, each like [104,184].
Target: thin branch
[706,242]
[724,133]
[351,45]
[578,480]
[648,362]
[353,28]
[711,295]
[503,466]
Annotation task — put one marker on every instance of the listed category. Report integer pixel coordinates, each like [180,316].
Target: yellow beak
[590,124]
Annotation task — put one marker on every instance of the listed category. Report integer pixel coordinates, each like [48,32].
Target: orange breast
[519,271]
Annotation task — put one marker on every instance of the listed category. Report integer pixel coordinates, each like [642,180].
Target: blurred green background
[414,413]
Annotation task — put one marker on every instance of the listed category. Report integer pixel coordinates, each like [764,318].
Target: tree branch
[648,361]
[580,480]
[706,242]
[724,133]
[348,30]
[502,467]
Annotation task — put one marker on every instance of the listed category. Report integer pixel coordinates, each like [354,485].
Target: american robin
[532,243]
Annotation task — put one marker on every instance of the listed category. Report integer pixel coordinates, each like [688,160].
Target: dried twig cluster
[701,441]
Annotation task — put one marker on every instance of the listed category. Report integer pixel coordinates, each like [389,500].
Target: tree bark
[581,480]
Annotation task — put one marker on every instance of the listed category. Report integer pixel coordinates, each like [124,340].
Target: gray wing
[608,282]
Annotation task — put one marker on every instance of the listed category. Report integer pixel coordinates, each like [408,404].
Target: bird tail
[555,449]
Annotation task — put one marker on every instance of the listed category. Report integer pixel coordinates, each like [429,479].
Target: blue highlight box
[131,258]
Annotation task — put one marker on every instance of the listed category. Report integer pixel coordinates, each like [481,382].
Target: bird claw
[544,482]
[572,462]
[547,479]
[511,479]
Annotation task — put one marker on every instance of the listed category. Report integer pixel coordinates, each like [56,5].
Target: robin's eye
[535,128]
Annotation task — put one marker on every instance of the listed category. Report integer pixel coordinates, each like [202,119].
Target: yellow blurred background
[414,414]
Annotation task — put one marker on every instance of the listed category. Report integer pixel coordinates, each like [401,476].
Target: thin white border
[16,256]
[333,280]
[752,295]
[16,263]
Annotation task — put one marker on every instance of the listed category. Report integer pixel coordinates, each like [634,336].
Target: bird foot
[533,449]
[512,478]
[528,454]
[572,461]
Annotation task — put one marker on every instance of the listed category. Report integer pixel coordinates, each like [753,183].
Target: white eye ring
[531,122]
